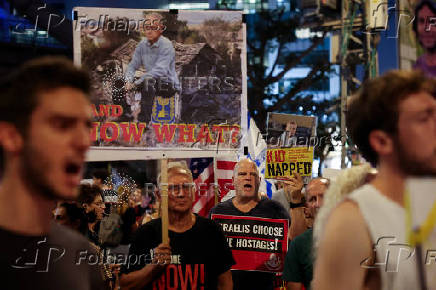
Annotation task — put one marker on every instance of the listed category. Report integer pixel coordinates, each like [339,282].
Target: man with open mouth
[45,118]
[248,202]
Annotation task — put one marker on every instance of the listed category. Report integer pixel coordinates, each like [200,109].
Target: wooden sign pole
[164,199]
[216,187]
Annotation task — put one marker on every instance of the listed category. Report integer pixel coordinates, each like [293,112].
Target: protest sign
[257,244]
[163,80]
[284,162]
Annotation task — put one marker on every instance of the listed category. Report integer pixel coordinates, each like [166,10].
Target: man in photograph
[45,124]
[424,26]
[156,55]
[288,134]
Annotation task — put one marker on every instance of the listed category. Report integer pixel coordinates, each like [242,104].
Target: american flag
[203,174]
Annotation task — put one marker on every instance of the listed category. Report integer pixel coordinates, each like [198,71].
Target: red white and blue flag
[204,177]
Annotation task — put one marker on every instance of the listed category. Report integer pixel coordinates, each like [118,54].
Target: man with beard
[393,122]
[198,256]
[45,119]
[247,202]
[424,26]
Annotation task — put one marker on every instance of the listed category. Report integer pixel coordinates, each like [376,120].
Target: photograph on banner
[285,162]
[257,244]
[163,79]
[417,33]
[420,206]
[288,130]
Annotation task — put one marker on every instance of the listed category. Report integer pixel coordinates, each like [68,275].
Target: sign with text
[286,161]
[257,244]
[163,80]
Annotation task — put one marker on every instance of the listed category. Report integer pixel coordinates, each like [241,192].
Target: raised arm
[135,64]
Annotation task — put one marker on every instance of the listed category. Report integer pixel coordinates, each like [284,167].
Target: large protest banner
[163,80]
[257,244]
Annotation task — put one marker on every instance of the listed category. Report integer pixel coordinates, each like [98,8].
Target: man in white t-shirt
[393,122]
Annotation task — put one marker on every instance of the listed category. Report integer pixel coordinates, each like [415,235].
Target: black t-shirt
[266,208]
[129,219]
[199,255]
[60,260]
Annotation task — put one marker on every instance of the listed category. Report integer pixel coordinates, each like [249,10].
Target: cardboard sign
[181,91]
[257,244]
[286,161]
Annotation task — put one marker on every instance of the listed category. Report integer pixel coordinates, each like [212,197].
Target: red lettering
[94,131]
[103,131]
[117,110]
[279,155]
[94,111]
[175,279]
[204,134]
[159,283]
[188,274]
[188,131]
[132,131]
[164,131]
[106,110]
[219,130]
[103,110]
[235,134]
[269,157]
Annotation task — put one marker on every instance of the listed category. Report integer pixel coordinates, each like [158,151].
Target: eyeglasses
[175,188]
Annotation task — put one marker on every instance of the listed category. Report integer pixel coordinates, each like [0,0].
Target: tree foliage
[273,31]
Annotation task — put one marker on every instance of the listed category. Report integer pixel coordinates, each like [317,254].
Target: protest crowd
[363,227]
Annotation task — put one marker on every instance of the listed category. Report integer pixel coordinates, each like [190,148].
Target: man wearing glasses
[198,256]
[156,55]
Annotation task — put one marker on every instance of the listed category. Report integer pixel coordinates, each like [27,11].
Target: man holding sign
[196,258]
[254,228]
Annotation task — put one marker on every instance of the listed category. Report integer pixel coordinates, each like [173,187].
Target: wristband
[295,205]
